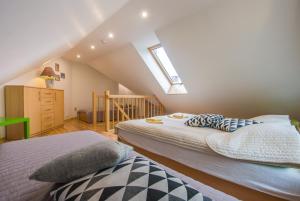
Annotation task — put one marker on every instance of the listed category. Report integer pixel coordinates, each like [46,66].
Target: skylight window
[163,61]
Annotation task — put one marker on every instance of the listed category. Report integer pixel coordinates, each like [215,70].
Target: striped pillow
[232,124]
[204,120]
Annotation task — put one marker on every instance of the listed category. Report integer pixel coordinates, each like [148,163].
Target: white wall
[85,80]
[240,58]
[122,90]
[80,80]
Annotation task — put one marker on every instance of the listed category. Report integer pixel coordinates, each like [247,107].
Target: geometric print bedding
[232,124]
[135,179]
[204,120]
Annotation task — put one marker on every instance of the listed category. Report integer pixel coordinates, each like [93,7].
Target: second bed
[185,149]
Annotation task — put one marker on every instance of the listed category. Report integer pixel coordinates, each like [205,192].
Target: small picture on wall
[57,67]
[57,78]
[62,75]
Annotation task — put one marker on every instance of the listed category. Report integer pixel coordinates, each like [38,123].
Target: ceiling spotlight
[78,56]
[93,47]
[144,14]
[110,35]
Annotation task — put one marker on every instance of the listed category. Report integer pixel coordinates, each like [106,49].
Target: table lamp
[49,76]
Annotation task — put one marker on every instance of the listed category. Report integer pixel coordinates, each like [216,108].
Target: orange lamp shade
[48,73]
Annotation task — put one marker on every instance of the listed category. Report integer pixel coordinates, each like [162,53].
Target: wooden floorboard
[72,125]
[77,125]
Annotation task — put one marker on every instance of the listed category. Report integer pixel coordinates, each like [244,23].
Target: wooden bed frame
[230,188]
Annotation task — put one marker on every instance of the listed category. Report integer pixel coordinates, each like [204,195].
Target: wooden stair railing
[119,108]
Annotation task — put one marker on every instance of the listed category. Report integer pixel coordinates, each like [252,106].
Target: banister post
[94,98]
[107,111]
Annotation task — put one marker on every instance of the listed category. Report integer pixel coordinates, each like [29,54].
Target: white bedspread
[269,143]
[172,131]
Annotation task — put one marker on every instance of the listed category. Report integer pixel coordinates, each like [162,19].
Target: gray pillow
[82,162]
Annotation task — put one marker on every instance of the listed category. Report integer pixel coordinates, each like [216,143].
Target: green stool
[11,121]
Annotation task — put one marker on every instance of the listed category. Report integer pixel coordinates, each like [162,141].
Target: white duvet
[275,141]
[172,131]
[267,142]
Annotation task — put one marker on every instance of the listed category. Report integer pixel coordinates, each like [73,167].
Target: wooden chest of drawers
[44,107]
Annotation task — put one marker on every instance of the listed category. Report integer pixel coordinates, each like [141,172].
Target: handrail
[119,108]
[128,96]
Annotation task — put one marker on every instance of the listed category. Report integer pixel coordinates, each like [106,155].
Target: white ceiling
[123,58]
[128,26]
[34,31]
[234,57]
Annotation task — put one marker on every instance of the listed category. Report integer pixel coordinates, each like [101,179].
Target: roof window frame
[161,66]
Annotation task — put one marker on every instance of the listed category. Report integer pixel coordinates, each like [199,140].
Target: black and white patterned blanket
[135,179]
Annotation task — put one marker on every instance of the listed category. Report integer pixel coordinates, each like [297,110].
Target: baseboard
[70,117]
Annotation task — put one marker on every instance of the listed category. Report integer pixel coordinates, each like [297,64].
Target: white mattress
[276,181]
[172,130]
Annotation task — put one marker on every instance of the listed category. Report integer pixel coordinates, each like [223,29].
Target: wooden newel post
[94,98]
[107,111]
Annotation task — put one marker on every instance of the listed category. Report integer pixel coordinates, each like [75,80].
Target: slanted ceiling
[34,31]
[236,58]
[239,58]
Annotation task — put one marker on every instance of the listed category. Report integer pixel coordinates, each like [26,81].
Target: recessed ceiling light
[110,35]
[93,47]
[78,56]
[144,14]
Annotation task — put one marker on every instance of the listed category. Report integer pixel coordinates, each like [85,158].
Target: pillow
[204,120]
[282,119]
[136,178]
[232,124]
[82,162]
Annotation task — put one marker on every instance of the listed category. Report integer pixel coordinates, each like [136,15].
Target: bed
[245,180]
[19,159]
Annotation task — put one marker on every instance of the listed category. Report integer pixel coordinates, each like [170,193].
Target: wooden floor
[77,125]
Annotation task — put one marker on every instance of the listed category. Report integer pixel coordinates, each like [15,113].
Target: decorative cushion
[135,179]
[82,162]
[232,124]
[204,120]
